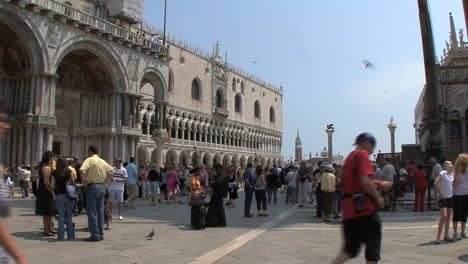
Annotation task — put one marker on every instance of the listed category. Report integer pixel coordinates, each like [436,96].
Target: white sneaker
[120,217]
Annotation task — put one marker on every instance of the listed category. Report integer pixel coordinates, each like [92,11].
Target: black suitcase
[198,217]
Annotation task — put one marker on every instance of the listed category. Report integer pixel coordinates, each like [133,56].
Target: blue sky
[314,48]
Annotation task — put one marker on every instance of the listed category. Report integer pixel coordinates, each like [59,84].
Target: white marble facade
[73,79]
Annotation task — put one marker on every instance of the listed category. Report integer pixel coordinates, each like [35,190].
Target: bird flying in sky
[368,64]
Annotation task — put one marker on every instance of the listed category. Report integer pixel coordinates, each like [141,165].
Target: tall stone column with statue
[330,130]
[392,127]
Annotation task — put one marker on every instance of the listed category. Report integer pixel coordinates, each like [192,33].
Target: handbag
[197,200]
[71,191]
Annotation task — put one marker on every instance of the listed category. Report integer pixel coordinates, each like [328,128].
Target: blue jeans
[248,200]
[95,209]
[338,202]
[290,195]
[274,192]
[65,211]
[154,186]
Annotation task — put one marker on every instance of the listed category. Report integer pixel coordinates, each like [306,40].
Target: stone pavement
[288,235]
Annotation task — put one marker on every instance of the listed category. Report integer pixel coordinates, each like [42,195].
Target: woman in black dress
[45,204]
[216,216]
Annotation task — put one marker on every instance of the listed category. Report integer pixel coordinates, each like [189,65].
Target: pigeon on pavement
[150,235]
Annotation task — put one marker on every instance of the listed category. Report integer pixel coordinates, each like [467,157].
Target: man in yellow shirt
[328,185]
[95,172]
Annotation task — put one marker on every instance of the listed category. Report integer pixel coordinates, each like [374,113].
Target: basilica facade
[453,97]
[80,72]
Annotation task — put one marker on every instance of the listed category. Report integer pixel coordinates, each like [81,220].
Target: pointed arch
[196,89]
[257,109]
[238,103]
[272,115]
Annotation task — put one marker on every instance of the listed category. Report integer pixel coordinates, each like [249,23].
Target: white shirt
[9,183]
[403,175]
[120,174]
[378,174]
[20,173]
[291,179]
[445,185]
[462,187]
[388,173]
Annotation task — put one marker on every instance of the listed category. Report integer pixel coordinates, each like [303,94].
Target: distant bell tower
[298,148]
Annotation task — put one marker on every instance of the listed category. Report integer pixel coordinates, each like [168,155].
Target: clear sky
[315,48]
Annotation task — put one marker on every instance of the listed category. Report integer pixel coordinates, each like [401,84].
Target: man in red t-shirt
[361,200]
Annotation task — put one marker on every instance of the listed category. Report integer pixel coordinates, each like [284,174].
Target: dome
[324,153]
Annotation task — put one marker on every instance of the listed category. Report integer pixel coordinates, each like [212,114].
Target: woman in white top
[460,196]
[443,185]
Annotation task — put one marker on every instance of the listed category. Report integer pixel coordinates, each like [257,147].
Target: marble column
[132,146]
[123,142]
[463,131]
[164,116]
[39,141]
[27,142]
[159,158]
[109,144]
[16,146]
[49,138]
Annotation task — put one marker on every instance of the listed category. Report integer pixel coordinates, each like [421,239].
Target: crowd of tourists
[352,193]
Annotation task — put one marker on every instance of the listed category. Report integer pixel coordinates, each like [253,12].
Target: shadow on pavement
[463,258]
[35,236]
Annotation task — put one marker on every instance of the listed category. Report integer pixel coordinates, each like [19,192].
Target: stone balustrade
[98,25]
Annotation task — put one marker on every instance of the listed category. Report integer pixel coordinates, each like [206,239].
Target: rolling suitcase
[198,217]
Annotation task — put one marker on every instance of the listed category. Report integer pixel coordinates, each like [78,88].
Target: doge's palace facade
[81,72]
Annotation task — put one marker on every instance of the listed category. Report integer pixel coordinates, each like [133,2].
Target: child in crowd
[107,212]
[10,185]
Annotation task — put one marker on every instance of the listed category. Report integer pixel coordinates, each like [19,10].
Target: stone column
[49,138]
[164,116]
[463,131]
[330,130]
[14,146]
[132,146]
[39,141]
[109,143]
[27,143]
[118,110]
[392,127]
[159,158]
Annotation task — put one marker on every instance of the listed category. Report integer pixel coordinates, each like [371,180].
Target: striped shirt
[119,174]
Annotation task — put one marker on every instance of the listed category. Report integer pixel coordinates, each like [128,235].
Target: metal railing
[98,24]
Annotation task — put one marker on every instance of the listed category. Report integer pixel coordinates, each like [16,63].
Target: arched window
[233,84]
[171,81]
[242,87]
[257,110]
[219,99]
[272,115]
[238,103]
[196,91]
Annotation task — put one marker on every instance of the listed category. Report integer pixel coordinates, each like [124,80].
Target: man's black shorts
[446,203]
[365,230]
